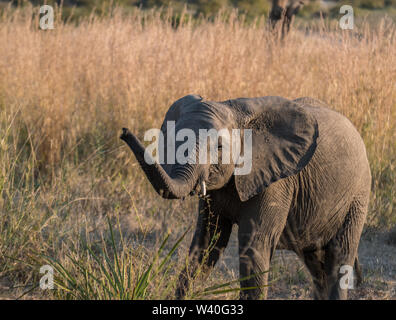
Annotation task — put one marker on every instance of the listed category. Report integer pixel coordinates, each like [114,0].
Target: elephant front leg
[210,239]
[254,263]
[260,228]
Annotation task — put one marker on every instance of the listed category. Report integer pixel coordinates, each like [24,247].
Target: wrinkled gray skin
[284,11]
[307,192]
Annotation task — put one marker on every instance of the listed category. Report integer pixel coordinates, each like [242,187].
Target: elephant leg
[314,261]
[206,248]
[341,253]
[260,228]
[254,262]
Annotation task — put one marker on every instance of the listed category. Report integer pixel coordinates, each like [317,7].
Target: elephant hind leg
[335,268]
[341,261]
[314,261]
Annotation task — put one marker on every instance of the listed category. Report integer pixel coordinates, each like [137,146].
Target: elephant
[284,10]
[307,189]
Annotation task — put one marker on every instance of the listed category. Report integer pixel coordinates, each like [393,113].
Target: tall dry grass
[65,94]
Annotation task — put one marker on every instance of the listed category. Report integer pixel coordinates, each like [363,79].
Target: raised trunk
[178,184]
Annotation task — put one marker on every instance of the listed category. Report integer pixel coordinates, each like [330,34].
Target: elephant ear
[283,142]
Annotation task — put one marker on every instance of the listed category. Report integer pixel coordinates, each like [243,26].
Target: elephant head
[283,140]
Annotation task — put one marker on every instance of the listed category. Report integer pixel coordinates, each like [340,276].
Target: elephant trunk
[178,184]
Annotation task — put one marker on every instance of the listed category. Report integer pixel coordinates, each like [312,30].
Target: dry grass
[65,94]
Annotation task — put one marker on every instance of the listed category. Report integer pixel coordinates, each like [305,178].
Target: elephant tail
[358,272]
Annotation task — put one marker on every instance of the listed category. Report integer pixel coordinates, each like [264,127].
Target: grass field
[66,93]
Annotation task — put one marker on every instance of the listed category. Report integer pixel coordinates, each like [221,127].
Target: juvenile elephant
[307,190]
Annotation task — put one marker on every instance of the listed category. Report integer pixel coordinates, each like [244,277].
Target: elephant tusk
[203,188]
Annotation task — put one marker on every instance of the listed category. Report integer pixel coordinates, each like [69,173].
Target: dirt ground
[291,281]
